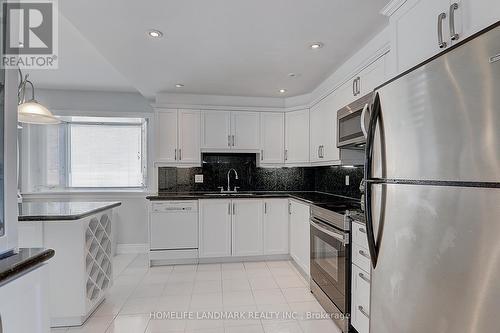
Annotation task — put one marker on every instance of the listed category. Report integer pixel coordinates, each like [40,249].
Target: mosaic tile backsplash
[251,178]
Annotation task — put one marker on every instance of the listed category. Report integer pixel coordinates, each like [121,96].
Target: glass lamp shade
[32,112]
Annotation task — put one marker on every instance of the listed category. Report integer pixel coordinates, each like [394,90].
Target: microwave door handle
[363,115]
[374,117]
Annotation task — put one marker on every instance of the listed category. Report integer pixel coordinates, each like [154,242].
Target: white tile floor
[237,288]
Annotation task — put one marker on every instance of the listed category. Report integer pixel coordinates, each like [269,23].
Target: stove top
[341,205]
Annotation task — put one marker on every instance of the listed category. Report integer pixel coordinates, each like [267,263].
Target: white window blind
[87,152]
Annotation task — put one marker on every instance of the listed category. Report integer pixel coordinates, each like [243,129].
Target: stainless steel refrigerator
[432,197]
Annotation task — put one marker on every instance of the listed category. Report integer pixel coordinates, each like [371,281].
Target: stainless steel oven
[330,263]
[352,122]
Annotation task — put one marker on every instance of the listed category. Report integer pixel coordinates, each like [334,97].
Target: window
[85,152]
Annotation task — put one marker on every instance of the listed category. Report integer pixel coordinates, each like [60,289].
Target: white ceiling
[81,66]
[220,47]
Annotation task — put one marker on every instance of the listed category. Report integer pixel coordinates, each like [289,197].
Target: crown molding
[392,7]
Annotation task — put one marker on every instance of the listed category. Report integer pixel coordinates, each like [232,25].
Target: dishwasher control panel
[175,206]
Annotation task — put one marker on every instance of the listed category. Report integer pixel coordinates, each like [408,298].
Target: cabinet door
[360,300]
[416,31]
[166,133]
[189,136]
[372,76]
[472,16]
[214,228]
[276,226]
[245,129]
[272,138]
[247,227]
[317,134]
[345,94]
[297,137]
[215,129]
[300,234]
[25,303]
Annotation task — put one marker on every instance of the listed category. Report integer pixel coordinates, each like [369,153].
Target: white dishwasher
[173,231]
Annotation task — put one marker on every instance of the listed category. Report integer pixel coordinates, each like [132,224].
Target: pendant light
[30,111]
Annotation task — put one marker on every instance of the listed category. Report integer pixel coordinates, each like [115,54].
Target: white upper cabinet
[247,228]
[372,76]
[178,136]
[324,128]
[423,28]
[297,137]
[189,136]
[472,16]
[245,129]
[166,134]
[226,130]
[216,129]
[272,137]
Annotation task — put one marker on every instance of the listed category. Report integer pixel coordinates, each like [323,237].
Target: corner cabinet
[178,137]
[423,28]
[230,130]
[324,137]
[297,137]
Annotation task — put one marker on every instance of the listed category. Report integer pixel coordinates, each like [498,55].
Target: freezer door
[439,259]
[442,120]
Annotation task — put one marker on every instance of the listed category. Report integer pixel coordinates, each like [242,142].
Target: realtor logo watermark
[30,34]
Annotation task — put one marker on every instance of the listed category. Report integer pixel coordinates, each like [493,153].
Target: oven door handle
[319,226]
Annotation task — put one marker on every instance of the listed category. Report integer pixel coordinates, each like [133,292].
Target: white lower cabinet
[360,280]
[360,300]
[214,228]
[247,227]
[276,226]
[243,227]
[24,305]
[300,234]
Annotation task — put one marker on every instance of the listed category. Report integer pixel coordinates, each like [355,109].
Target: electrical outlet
[198,179]
[347,180]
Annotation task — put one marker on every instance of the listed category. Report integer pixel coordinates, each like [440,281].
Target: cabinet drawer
[360,300]
[359,235]
[361,257]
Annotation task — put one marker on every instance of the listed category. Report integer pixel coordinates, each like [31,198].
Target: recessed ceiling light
[316,45]
[282,91]
[155,33]
[179,85]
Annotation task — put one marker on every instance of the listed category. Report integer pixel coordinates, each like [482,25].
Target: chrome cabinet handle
[1,325]
[441,43]
[362,310]
[180,154]
[175,154]
[234,208]
[453,34]
[354,87]
[229,140]
[286,154]
[265,207]
[262,154]
[229,208]
[289,208]
[364,278]
[364,254]
[362,230]
[232,136]
[358,85]
[322,151]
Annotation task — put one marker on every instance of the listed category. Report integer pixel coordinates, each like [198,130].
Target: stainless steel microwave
[352,122]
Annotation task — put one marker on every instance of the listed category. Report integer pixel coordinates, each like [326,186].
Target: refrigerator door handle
[375,115]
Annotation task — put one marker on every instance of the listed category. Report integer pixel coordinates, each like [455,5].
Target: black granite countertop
[61,211]
[308,197]
[22,261]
